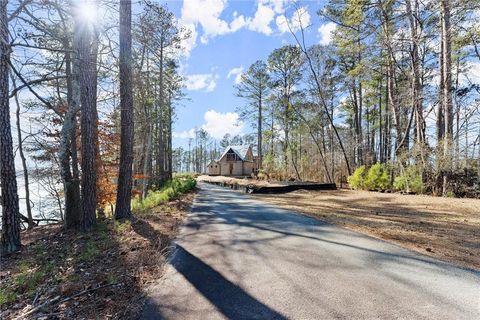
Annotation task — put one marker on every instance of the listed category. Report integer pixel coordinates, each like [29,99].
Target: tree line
[95,93]
[393,87]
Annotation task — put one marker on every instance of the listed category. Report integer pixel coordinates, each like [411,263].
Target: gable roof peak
[240,150]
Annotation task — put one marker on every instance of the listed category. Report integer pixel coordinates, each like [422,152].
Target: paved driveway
[238,258]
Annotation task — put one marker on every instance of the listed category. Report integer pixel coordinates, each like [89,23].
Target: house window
[231,156]
[215,166]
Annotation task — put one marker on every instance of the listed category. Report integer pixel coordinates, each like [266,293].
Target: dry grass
[241,182]
[444,228]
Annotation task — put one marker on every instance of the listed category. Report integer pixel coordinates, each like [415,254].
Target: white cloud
[282,23]
[278,5]
[472,73]
[207,14]
[237,72]
[217,124]
[265,15]
[205,82]
[189,43]
[262,19]
[237,23]
[300,18]
[326,32]
[187,134]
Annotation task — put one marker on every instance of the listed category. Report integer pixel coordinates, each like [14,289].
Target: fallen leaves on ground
[62,274]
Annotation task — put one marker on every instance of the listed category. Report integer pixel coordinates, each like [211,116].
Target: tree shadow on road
[230,299]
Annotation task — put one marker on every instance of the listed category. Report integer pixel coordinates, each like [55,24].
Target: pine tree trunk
[259,134]
[161,126]
[88,123]
[98,159]
[10,241]
[147,164]
[124,187]
[68,143]
[447,90]
[416,86]
[169,140]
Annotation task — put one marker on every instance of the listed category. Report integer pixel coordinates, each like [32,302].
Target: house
[235,161]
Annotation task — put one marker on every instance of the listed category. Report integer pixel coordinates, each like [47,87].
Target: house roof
[240,150]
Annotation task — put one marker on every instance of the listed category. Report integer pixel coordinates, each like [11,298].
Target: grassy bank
[171,191]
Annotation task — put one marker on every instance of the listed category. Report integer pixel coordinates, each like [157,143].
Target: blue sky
[228,36]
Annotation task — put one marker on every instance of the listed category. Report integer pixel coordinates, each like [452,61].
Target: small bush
[409,181]
[122,227]
[89,253]
[27,282]
[377,178]
[356,180]
[7,296]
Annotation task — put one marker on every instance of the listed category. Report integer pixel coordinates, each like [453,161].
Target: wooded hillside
[391,103]
[95,89]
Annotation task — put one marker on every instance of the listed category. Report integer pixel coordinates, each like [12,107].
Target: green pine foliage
[377,178]
[409,181]
[357,179]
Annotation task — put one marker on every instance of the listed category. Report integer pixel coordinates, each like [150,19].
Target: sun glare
[89,11]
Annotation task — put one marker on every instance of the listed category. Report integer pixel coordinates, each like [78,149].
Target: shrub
[409,181]
[28,282]
[122,227]
[7,296]
[356,180]
[377,178]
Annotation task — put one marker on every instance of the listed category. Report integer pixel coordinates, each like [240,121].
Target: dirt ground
[443,228]
[102,274]
[241,182]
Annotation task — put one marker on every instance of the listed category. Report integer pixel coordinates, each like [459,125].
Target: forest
[94,186]
[78,87]
[391,103]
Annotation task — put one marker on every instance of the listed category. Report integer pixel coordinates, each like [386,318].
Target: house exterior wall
[249,168]
[225,167]
[239,167]
[214,168]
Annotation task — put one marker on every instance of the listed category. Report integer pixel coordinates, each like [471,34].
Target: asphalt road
[238,258]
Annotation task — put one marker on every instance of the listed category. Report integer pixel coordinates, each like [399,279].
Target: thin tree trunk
[457,115]
[416,86]
[147,164]
[161,127]
[68,143]
[322,100]
[28,205]
[447,88]
[98,159]
[169,140]
[259,132]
